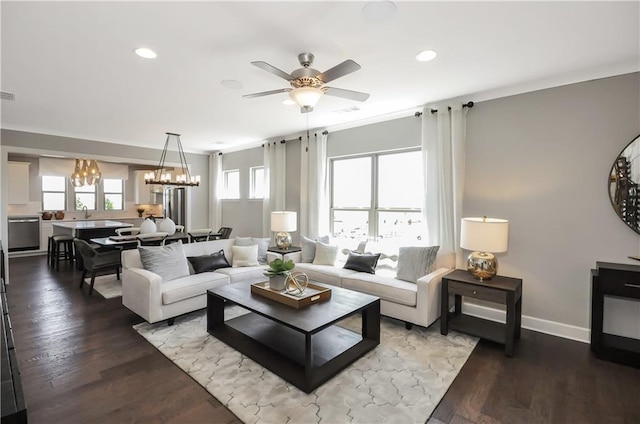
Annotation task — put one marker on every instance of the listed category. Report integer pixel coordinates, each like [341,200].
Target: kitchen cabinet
[146,194]
[46,230]
[19,185]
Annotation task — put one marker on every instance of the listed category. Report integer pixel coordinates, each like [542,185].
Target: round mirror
[623,185]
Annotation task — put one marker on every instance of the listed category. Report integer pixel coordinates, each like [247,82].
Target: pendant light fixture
[162,175]
[86,172]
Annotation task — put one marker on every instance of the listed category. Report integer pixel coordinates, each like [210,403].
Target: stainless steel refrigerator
[174,204]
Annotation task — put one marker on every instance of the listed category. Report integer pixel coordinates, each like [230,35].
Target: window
[54,195]
[257,182]
[377,196]
[231,180]
[112,194]
[85,196]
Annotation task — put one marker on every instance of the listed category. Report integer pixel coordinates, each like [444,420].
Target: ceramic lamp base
[283,240]
[482,265]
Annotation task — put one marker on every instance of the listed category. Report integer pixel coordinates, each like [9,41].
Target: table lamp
[484,236]
[282,222]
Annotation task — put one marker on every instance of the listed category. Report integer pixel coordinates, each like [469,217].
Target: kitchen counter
[75,225]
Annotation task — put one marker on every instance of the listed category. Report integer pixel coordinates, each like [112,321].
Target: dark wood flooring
[81,362]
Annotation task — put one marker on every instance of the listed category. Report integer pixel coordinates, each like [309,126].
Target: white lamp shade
[484,234]
[284,221]
[306,96]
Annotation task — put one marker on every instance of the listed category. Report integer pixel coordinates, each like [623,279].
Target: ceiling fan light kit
[307,84]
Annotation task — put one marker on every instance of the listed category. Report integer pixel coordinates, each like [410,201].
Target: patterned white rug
[400,381]
[107,285]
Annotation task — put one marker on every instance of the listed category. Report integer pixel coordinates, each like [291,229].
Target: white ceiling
[72,68]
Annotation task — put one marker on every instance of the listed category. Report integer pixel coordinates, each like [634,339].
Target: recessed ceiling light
[146,53]
[378,11]
[288,102]
[231,84]
[426,55]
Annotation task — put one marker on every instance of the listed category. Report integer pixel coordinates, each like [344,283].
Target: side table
[282,252]
[503,290]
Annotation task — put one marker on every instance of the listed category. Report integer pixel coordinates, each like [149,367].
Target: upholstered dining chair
[199,235]
[152,239]
[94,261]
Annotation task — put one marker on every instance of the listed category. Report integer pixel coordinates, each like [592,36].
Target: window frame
[43,191]
[75,198]
[105,193]
[374,210]
[225,184]
[253,179]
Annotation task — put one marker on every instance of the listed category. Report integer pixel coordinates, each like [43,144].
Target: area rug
[107,285]
[400,381]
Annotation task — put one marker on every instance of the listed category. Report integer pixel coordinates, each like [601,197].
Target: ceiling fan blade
[338,71]
[267,93]
[272,69]
[347,94]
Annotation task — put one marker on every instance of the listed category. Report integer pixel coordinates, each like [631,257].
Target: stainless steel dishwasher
[24,233]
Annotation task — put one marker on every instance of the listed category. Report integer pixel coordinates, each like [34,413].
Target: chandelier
[86,173]
[163,176]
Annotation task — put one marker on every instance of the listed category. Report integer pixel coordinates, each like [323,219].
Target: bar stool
[61,249]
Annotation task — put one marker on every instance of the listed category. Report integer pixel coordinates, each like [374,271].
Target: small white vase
[168,226]
[148,226]
[277,282]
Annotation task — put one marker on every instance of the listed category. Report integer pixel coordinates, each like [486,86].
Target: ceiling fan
[307,84]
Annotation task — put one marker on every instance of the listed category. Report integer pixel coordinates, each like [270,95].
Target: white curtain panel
[314,192]
[275,159]
[443,147]
[216,184]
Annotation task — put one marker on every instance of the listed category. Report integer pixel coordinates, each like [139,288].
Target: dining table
[131,242]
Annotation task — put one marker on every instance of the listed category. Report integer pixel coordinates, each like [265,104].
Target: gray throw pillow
[363,262]
[207,263]
[169,261]
[308,247]
[415,262]
[263,245]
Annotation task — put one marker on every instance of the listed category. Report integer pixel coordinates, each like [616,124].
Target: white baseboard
[531,323]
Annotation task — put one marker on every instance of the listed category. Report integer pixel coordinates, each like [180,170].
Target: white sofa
[147,295]
[412,303]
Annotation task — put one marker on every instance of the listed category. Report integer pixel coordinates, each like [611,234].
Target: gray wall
[18,141]
[542,160]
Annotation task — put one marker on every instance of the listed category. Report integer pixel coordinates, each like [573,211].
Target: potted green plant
[278,272]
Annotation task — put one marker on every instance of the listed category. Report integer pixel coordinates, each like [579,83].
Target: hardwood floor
[81,362]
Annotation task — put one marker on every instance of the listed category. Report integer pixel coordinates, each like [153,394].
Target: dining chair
[152,239]
[199,235]
[223,233]
[94,261]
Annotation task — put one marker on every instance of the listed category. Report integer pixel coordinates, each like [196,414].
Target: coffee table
[303,346]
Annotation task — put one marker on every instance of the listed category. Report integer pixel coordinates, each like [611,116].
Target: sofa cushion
[363,262]
[386,288]
[191,286]
[251,274]
[308,247]
[245,255]
[325,254]
[324,273]
[261,242]
[210,262]
[415,262]
[169,261]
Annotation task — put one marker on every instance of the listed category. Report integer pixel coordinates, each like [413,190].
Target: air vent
[5,95]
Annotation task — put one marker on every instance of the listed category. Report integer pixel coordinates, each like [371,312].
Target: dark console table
[617,280]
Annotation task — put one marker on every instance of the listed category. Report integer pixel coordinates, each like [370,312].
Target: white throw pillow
[309,248]
[263,245]
[325,254]
[245,256]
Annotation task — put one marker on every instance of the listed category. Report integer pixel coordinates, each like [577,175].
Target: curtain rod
[468,104]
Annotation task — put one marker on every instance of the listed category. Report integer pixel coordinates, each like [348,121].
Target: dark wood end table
[503,290]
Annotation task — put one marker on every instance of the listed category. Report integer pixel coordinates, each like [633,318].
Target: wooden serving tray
[313,294]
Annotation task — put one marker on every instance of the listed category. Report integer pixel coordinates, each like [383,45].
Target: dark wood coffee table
[303,346]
